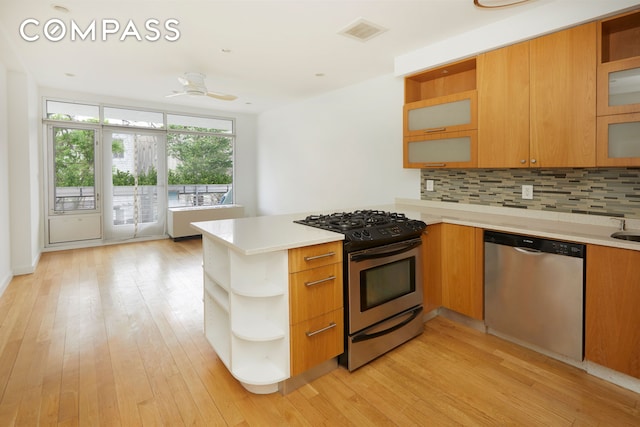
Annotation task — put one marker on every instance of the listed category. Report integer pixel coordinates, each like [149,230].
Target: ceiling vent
[362,30]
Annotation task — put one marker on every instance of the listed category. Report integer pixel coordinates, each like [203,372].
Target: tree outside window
[200,169]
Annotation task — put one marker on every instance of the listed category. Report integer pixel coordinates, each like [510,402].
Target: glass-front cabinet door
[619,140]
[442,150]
[449,113]
[618,123]
[619,87]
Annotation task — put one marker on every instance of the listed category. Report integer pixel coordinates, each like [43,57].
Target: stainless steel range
[383,280]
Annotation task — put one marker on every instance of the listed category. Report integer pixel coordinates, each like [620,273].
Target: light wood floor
[113,336]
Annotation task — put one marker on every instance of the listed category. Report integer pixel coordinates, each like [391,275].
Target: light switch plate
[527,192]
[429,185]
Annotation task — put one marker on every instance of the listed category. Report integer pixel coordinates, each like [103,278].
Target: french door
[73,205]
[134,183]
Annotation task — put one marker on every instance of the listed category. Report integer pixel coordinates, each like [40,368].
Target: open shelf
[216,262]
[259,319]
[217,328]
[260,363]
[449,80]
[261,275]
[620,37]
[217,292]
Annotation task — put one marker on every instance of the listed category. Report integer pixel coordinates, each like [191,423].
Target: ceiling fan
[193,85]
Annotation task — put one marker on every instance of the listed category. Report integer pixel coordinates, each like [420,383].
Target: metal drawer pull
[435,130]
[326,328]
[311,258]
[317,282]
[435,165]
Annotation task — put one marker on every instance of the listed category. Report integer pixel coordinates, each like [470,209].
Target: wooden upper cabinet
[618,143]
[503,107]
[443,81]
[448,113]
[619,64]
[563,98]
[440,117]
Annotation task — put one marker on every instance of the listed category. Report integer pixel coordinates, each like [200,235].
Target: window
[149,160]
[73,112]
[73,175]
[200,161]
[133,118]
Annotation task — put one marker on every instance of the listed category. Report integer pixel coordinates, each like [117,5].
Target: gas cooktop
[367,228]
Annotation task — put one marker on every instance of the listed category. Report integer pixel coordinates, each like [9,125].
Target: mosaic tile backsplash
[609,192]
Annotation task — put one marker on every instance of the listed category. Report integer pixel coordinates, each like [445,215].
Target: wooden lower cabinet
[315,305]
[432,267]
[612,312]
[453,266]
[316,340]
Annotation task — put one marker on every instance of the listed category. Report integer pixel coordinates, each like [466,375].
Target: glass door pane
[135,193]
[440,115]
[624,87]
[74,170]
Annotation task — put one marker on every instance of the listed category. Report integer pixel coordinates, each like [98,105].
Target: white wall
[24,172]
[5,235]
[337,151]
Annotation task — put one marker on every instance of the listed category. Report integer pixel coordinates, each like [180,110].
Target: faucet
[622,223]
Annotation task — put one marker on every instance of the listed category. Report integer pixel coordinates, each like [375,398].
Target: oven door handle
[372,254]
[365,337]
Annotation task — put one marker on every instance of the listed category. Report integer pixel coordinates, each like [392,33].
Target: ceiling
[267,53]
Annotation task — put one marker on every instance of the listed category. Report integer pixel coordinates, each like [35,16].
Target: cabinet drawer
[316,340]
[315,292]
[314,256]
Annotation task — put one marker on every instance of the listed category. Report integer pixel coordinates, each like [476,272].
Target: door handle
[527,251]
[317,282]
[319,331]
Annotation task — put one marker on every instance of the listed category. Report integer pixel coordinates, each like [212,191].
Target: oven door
[383,282]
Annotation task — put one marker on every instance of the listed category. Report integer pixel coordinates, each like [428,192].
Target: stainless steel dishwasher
[534,292]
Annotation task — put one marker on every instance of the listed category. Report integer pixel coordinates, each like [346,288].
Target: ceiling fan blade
[221,96]
[175,94]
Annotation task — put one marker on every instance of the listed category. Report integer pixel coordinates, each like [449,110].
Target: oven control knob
[357,234]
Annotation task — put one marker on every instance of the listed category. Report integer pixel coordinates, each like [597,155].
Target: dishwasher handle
[528,251]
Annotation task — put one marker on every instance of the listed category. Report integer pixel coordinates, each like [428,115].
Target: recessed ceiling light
[60,8]
[69,74]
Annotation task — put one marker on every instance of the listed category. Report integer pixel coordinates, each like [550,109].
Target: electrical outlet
[527,192]
[429,185]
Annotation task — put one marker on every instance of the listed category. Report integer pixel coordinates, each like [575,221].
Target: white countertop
[254,235]
[561,226]
[261,234]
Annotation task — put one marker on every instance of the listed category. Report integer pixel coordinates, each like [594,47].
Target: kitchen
[331,188]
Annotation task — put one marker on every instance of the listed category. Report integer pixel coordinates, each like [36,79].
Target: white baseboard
[5,283]
[27,269]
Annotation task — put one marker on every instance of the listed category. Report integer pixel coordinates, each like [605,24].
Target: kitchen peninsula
[246,294]
[247,270]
